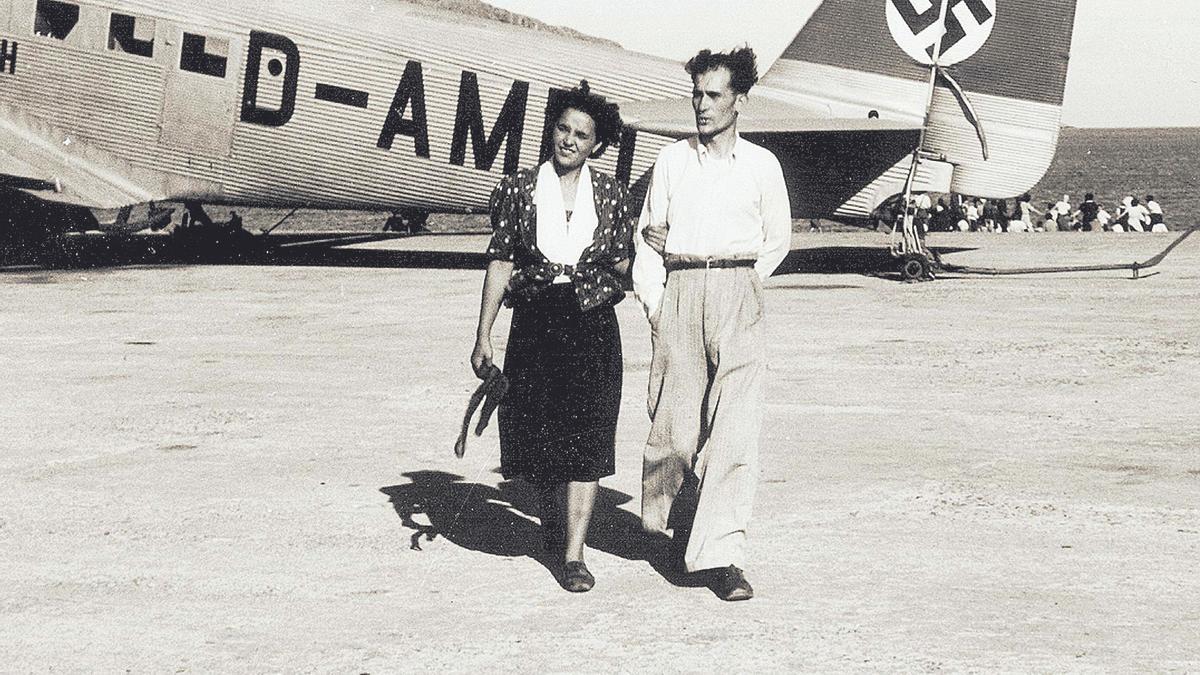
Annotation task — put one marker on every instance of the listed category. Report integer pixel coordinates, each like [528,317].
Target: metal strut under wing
[1135,267]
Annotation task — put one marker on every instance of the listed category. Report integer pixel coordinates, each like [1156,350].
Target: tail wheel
[915,267]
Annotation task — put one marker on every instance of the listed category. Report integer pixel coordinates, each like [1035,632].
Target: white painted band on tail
[967,27]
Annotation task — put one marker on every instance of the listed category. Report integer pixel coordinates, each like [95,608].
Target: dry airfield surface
[217,468]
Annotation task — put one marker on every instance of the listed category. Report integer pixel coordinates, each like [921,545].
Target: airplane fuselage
[386,105]
[334,105]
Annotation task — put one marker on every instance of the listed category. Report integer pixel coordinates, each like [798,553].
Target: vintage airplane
[384,105]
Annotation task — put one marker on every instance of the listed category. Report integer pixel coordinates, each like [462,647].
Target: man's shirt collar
[702,152]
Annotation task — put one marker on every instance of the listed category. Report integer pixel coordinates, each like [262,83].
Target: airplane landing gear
[407,222]
[198,238]
[915,267]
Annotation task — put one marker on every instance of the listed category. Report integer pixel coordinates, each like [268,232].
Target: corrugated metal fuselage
[343,104]
[384,105]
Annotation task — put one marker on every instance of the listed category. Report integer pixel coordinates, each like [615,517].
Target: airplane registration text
[407,114]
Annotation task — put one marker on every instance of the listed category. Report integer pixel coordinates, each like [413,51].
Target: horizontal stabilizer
[675,118]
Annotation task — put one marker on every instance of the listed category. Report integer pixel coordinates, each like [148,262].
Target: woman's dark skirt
[558,421]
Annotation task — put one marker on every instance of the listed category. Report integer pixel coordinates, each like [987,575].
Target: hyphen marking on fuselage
[8,57]
[355,98]
[407,114]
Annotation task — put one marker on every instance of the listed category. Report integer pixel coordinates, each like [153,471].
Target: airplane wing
[675,118]
[833,165]
[56,166]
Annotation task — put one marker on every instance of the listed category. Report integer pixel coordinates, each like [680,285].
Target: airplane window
[204,55]
[132,35]
[55,19]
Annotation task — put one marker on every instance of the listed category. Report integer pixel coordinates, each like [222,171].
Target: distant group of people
[974,214]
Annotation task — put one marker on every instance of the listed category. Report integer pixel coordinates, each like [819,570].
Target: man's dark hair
[606,116]
[741,63]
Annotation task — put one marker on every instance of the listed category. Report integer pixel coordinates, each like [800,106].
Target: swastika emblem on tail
[913,24]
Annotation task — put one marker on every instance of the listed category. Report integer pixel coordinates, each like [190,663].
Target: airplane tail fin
[1002,63]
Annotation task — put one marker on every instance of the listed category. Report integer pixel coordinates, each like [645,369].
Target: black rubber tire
[914,267]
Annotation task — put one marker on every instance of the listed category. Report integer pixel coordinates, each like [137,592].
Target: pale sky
[1132,64]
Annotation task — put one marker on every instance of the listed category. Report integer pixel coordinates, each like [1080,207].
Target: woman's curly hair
[605,115]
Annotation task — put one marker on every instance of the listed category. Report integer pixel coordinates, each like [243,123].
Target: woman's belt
[675,261]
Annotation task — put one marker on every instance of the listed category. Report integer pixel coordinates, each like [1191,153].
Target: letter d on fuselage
[253,110]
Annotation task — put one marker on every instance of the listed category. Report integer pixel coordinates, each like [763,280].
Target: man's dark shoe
[731,585]
[576,577]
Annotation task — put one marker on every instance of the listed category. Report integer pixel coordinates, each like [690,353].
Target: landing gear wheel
[407,222]
[915,267]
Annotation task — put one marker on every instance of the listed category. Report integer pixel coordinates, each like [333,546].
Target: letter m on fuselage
[469,119]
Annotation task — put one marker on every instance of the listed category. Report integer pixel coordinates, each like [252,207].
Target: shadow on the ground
[504,521]
[238,247]
[231,247]
[865,260]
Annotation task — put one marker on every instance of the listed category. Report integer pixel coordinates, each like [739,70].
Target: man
[1062,215]
[1087,212]
[1062,207]
[1155,214]
[1136,216]
[716,223]
[922,207]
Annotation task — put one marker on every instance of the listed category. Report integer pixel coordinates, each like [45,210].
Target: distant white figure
[1139,217]
[1063,207]
[921,205]
[1103,218]
[1027,210]
[1157,224]
[972,212]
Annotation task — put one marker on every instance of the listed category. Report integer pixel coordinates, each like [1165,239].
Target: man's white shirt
[732,207]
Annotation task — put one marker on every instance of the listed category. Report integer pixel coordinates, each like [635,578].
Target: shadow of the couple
[504,521]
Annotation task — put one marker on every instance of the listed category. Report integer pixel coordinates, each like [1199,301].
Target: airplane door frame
[199,108]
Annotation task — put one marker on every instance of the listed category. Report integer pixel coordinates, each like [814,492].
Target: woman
[562,237]
[1025,204]
[990,215]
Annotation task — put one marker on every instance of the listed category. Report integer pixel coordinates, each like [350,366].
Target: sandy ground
[214,469]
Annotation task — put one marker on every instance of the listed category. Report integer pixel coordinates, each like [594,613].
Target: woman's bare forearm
[494,284]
